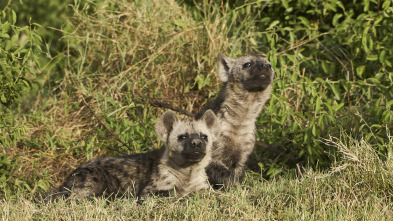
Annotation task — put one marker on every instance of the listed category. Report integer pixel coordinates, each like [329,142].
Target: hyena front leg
[218,175]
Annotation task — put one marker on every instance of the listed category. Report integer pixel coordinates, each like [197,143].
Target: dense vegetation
[80,79]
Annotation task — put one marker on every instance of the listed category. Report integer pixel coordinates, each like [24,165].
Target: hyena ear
[212,122]
[164,124]
[224,64]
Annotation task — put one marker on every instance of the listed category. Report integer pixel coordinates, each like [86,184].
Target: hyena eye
[203,136]
[182,137]
[247,64]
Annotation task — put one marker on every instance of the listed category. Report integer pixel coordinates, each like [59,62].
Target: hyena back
[247,86]
[177,166]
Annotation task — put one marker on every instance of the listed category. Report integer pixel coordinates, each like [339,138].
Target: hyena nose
[196,143]
[264,65]
[268,66]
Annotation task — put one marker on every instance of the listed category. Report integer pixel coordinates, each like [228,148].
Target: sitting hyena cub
[247,87]
[178,166]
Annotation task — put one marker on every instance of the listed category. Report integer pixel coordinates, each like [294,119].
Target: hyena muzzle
[177,166]
[247,85]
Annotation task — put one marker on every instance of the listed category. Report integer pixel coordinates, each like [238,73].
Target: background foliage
[18,64]
[109,68]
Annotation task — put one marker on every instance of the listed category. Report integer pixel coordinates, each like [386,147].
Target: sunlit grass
[358,187]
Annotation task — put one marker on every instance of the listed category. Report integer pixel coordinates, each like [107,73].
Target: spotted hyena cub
[177,166]
[247,86]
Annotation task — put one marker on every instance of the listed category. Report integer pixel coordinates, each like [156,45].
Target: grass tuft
[359,186]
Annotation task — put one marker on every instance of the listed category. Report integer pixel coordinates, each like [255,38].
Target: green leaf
[386,5]
[317,105]
[374,80]
[321,123]
[366,5]
[382,56]
[253,41]
[304,21]
[360,70]
[390,103]
[336,91]
[335,19]
[6,36]
[314,130]
[371,44]
[339,107]
[14,40]
[13,17]
[324,67]
[372,57]
[6,27]
[3,99]
[285,3]
[26,83]
[272,25]
[364,39]
[376,126]
[180,23]
[379,75]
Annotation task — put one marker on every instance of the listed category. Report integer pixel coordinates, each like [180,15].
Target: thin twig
[301,43]
[108,129]
[169,106]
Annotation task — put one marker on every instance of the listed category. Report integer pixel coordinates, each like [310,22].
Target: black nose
[268,66]
[196,143]
[262,65]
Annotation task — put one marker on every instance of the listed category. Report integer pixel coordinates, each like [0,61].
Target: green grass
[359,187]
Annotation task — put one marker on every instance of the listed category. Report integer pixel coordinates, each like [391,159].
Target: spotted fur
[247,86]
[177,166]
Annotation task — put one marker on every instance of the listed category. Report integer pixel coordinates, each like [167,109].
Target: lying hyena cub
[247,87]
[178,166]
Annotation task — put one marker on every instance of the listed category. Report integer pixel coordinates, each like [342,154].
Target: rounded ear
[224,65]
[164,124]
[212,122]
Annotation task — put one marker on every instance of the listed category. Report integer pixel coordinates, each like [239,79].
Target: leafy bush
[19,48]
[333,72]
[333,75]
[52,19]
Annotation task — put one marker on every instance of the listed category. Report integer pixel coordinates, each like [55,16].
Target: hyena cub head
[252,72]
[188,141]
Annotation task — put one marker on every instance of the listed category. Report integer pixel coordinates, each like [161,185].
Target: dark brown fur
[247,86]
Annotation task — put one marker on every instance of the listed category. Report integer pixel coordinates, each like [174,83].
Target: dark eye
[203,136]
[248,64]
[182,137]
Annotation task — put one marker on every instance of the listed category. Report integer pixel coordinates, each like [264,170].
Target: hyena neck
[184,178]
[238,106]
[178,168]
